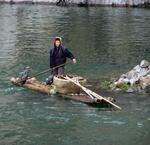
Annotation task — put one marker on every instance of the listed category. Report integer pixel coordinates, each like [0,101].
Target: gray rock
[139,74]
[147,89]
[145,81]
[144,63]
[131,90]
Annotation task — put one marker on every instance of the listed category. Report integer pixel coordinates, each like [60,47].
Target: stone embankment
[124,3]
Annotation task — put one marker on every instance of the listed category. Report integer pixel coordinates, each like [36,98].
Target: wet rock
[138,78]
[147,89]
[144,64]
[145,81]
[131,90]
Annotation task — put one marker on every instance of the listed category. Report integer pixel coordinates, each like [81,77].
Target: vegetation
[105,85]
[122,87]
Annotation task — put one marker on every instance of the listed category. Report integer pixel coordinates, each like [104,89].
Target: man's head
[57,42]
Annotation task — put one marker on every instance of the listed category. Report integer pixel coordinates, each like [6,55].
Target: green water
[106,42]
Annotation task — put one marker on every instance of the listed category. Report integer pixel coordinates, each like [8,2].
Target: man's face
[57,43]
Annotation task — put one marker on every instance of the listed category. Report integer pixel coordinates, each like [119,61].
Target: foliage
[105,85]
[124,87]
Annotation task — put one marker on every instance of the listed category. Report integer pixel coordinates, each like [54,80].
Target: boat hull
[37,86]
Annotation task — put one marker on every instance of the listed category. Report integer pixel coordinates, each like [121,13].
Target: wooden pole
[45,71]
[88,91]
[50,69]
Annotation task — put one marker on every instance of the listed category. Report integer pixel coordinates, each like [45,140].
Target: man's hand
[74,61]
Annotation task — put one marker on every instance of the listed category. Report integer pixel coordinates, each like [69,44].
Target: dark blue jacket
[58,56]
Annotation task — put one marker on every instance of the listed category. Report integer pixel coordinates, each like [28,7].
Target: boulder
[138,78]
[144,64]
[145,81]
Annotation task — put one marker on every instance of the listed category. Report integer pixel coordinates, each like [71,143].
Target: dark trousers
[58,71]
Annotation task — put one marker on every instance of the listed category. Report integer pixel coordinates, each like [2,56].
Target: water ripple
[106,42]
[115,122]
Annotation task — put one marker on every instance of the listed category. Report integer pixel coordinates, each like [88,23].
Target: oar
[50,69]
[85,90]
[88,91]
[82,87]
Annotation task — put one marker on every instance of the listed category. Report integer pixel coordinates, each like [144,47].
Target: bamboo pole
[50,69]
[88,91]
[45,71]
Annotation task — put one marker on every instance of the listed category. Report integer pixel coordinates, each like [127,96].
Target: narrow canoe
[38,86]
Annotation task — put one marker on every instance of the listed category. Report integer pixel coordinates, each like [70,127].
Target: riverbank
[84,3]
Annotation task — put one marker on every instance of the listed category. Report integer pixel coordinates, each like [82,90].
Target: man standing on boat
[58,56]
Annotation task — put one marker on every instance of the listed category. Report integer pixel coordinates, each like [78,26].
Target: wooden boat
[34,85]
[38,86]
[64,86]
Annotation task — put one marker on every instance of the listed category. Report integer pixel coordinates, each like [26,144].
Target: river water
[106,43]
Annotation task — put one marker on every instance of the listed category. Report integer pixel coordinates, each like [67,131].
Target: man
[58,56]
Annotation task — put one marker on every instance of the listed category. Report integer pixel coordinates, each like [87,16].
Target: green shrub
[124,87]
[105,85]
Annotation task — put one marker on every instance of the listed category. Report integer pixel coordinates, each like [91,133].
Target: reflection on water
[106,42]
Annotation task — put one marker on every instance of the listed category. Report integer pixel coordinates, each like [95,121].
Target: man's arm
[51,59]
[70,55]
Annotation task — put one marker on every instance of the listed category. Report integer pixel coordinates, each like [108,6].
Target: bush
[105,85]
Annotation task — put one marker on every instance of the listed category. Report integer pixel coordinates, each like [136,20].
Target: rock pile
[137,79]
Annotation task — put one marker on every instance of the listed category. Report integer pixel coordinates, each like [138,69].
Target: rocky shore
[114,3]
[136,80]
